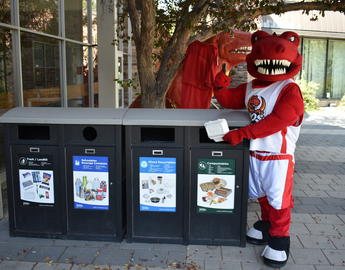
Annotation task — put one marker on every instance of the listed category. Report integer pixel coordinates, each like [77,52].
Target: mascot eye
[256,38]
[292,39]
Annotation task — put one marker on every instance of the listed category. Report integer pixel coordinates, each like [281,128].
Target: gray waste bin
[218,176]
[35,178]
[95,180]
[165,150]
[156,190]
[65,172]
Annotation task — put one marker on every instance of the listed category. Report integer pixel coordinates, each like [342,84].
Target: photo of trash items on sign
[216,183]
[90,179]
[36,186]
[157,189]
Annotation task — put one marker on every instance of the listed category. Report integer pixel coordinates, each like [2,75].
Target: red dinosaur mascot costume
[193,85]
[275,105]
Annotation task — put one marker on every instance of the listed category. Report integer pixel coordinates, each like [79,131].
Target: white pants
[271,175]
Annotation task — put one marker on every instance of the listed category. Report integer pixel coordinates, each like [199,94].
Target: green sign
[216,186]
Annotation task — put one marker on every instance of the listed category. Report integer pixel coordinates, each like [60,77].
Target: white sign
[36,186]
[157,180]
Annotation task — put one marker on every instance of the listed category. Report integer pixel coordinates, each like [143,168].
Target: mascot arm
[288,111]
[232,98]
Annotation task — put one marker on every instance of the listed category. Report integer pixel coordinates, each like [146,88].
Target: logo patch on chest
[256,108]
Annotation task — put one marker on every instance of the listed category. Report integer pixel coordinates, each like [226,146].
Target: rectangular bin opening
[203,138]
[153,134]
[27,132]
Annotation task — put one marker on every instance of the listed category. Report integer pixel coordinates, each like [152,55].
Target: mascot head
[273,57]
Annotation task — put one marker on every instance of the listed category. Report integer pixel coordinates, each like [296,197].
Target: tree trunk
[153,99]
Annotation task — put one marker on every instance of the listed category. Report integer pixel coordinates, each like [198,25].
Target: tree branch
[177,47]
[320,5]
[148,24]
[270,9]
[135,21]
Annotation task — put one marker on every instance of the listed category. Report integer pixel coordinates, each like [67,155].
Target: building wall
[322,46]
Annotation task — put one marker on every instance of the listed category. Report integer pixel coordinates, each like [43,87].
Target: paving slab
[331,209]
[322,229]
[316,241]
[112,255]
[295,242]
[221,265]
[80,243]
[335,256]
[301,218]
[334,201]
[298,192]
[310,200]
[316,193]
[338,187]
[326,219]
[303,208]
[342,217]
[53,266]
[170,247]
[336,194]
[13,252]
[323,267]
[150,257]
[201,252]
[98,267]
[340,228]
[298,267]
[299,228]
[30,241]
[177,257]
[308,256]
[338,241]
[44,254]
[81,255]
[126,245]
[237,254]
[16,265]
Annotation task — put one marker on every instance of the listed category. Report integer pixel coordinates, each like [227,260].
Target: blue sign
[90,164]
[91,182]
[157,184]
[157,165]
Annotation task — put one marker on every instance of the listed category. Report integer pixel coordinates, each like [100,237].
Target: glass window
[95,76]
[41,72]
[5,11]
[314,59]
[77,75]
[76,20]
[336,69]
[7,98]
[39,15]
[94,21]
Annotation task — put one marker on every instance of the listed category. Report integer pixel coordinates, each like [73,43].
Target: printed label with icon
[36,185]
[91,182]
[157,184]
[216,183]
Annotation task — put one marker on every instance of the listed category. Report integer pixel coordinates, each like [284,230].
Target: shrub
[308,89]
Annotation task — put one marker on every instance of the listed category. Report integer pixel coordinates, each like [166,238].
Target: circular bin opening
[90,133]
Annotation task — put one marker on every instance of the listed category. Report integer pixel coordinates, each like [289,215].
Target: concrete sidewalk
[317,231]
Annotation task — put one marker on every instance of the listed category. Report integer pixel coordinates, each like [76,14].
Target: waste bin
[35,178]
[95,182]
[183,187]
[94,174]
[65,175]
[156,188]
[218,174]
